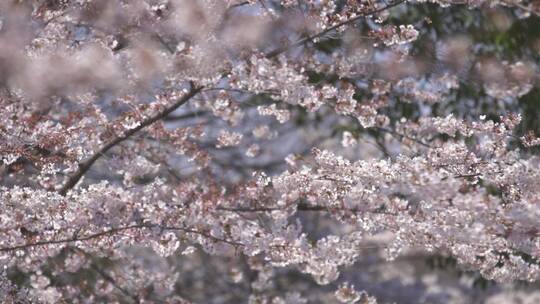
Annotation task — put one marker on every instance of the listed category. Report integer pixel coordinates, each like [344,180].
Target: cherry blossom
[176,151]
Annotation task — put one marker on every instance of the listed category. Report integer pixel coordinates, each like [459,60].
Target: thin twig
[164,43]
[396,133]
[111,280]
[106,276]
[299,207]
[322,33]
[522,7]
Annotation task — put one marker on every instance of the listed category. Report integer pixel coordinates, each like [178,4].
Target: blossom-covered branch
[175,151]
[84,166]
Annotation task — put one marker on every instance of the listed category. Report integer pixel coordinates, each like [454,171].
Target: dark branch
[85,165]
[70,240]
[301,207]
[117,230]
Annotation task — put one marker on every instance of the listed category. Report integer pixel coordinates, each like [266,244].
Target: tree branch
[117,230]
[301,207]
[285,48]
[85,165]
[70,240]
